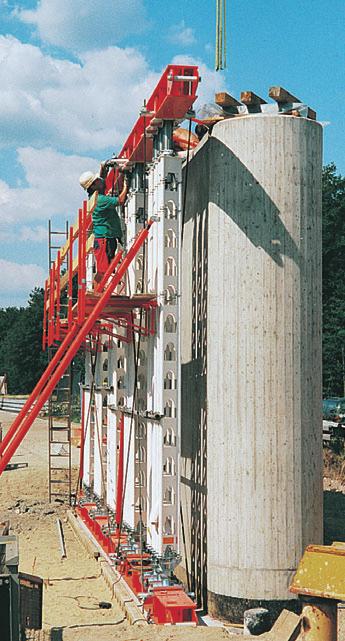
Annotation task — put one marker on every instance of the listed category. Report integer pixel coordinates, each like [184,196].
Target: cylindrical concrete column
[263,344]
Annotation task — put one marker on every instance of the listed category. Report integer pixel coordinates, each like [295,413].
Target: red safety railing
[64,355]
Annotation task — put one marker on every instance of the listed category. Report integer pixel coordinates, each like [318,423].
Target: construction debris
[61,538]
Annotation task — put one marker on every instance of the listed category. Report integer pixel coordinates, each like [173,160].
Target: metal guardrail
[16,403]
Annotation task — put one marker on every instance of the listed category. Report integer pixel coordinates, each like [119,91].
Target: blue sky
[75,72]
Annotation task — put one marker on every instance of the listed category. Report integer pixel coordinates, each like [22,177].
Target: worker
[105,218]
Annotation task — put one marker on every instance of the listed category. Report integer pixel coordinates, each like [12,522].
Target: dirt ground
[73,586]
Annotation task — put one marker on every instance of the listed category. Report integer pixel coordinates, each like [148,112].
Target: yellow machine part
[319,622]
[321,572]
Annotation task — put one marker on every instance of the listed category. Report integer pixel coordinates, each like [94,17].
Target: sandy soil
[73,586]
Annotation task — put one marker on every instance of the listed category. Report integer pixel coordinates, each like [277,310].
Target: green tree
[21,355]
[333,282]
[21,345]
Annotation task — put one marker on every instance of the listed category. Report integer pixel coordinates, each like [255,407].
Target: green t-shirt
[105,219]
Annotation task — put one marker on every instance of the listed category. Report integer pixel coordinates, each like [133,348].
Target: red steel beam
[58,295]
[51,305]
[109,271]
[44,331]
[174,94]
[82,266]
[70,278]
[80,241]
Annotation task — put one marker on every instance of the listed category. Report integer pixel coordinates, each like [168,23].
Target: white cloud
[180,34]
[82,25]
[24,234]
[77,107]
[53,190]
[36,234]
[20,278]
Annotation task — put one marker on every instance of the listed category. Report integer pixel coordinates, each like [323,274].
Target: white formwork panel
[163,356]
[134,206]
[112,425]
[140,480]
[136,494]
[88,426]
[129,438]
[87,437]
[97,445]
[89,271]
[96,442]
[129,497]
[154,486]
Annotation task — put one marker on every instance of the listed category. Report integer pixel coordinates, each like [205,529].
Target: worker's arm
[104,169]
[123,195]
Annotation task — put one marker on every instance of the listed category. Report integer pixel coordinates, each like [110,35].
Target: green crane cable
[220,35]
[224,22]
[217,35]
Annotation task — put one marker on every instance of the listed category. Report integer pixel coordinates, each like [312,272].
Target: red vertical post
[58,295]
[82,438]
[44,332]
[153,313]
[83,260]
[51,306]
[70,277]
[119,486]
[80,223]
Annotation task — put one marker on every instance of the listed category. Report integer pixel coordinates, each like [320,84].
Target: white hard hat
[87,178]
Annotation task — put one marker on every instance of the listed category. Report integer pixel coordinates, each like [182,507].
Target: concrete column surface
[251,459]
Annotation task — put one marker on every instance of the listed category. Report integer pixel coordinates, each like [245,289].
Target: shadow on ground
[334,516]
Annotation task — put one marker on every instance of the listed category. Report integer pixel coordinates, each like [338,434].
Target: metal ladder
[59,412]
[60,450]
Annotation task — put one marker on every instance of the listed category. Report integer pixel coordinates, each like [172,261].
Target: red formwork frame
[173,96]
[57,366]
[166,604]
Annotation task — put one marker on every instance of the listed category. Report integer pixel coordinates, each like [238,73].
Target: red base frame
[164,605]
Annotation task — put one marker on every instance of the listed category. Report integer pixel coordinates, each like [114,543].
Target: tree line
[22,358]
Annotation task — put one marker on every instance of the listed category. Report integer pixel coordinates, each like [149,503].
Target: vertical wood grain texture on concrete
[256,185]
